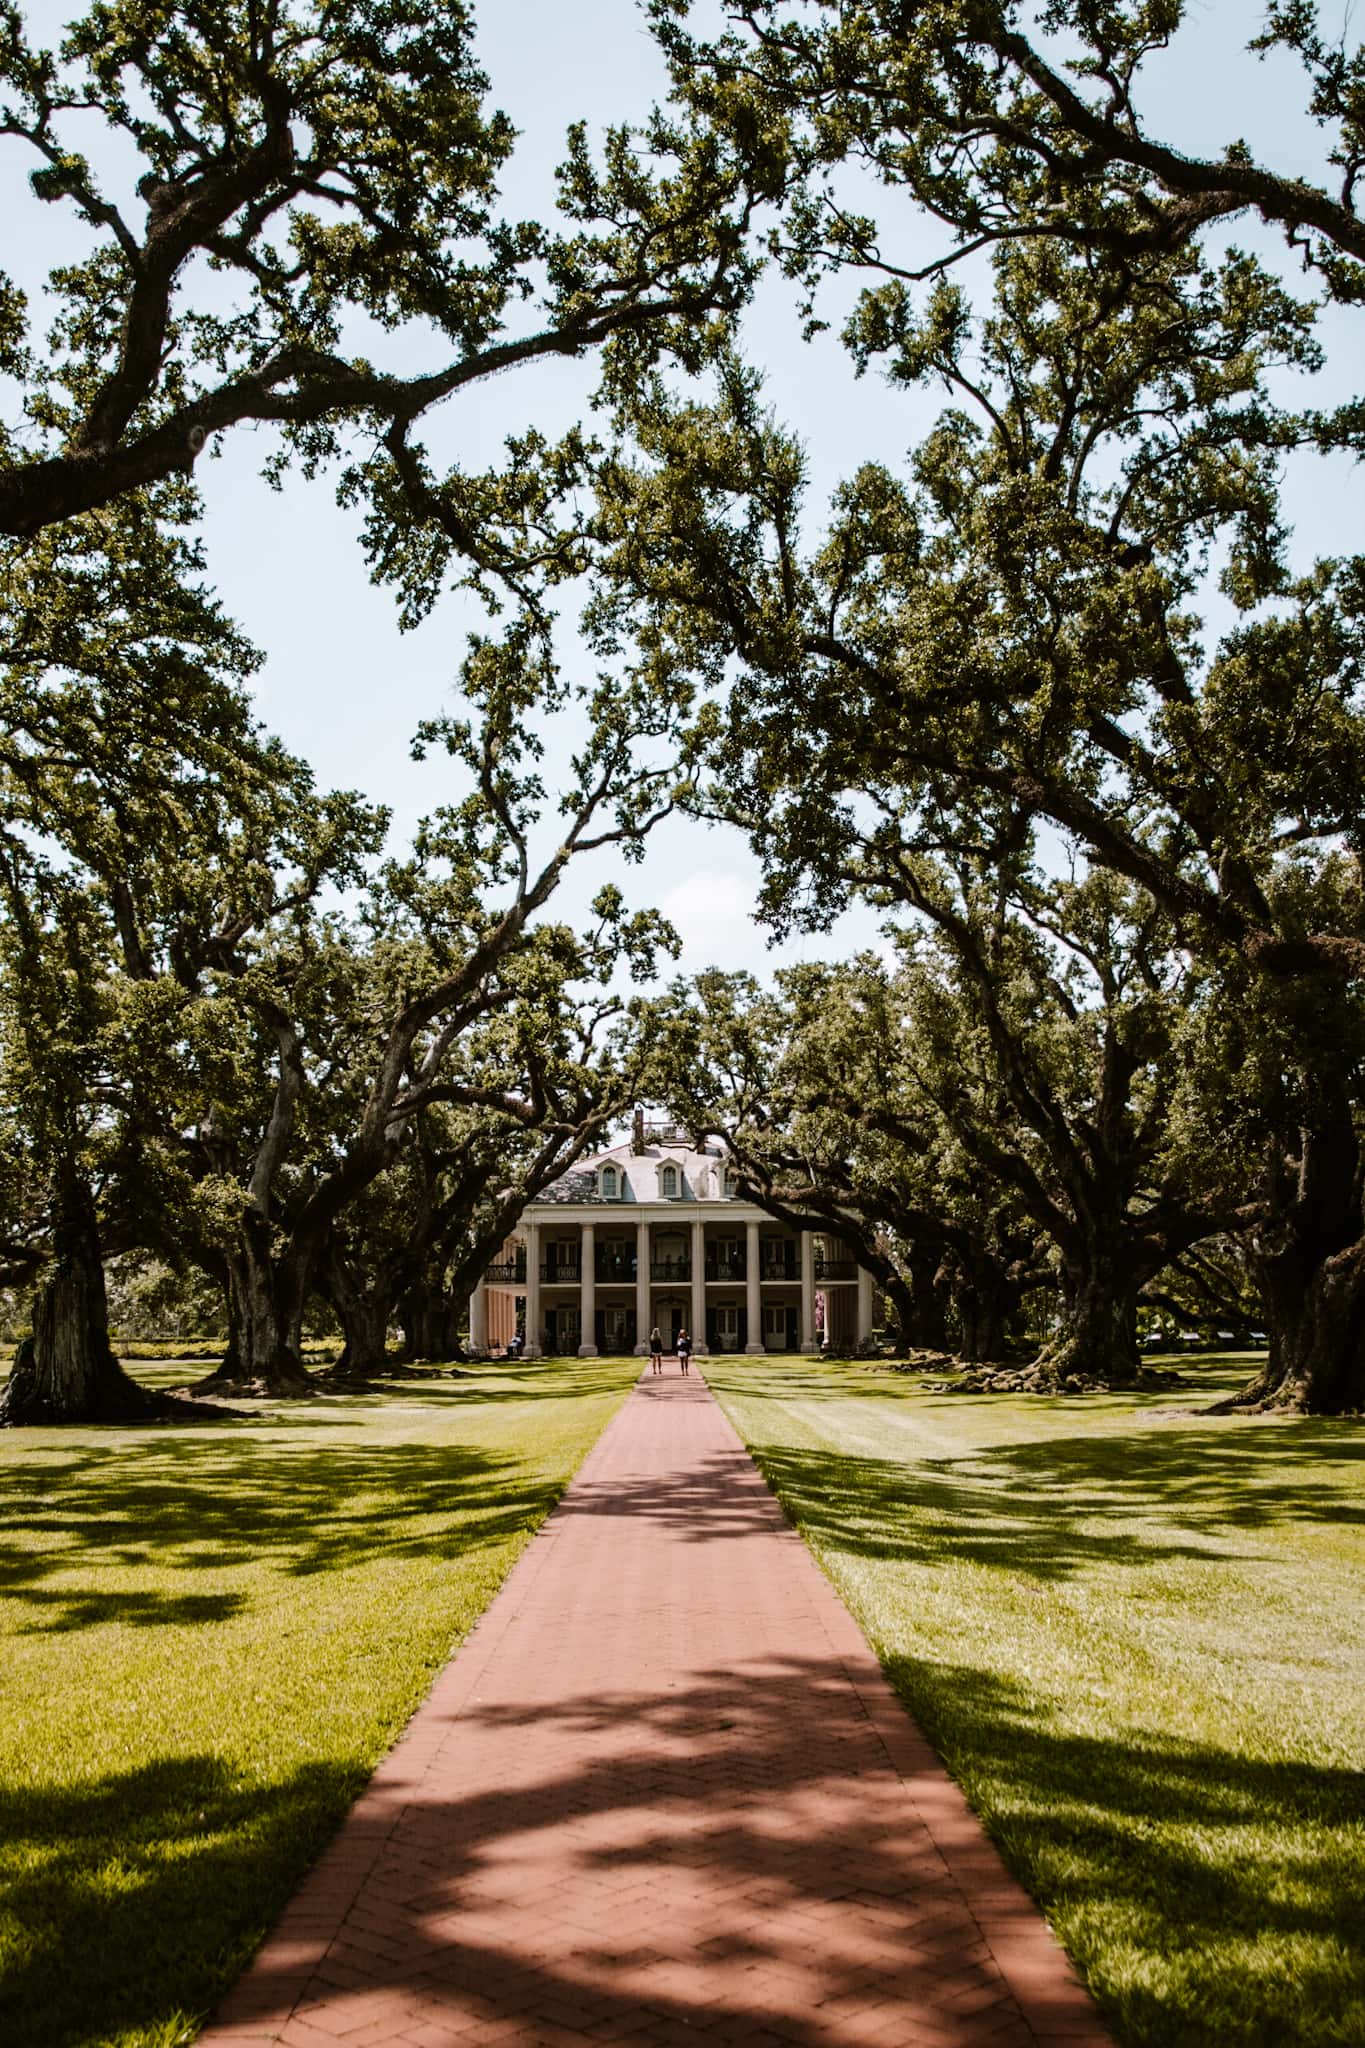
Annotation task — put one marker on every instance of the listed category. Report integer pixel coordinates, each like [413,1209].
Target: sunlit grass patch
[211,1635]
[1137,1635]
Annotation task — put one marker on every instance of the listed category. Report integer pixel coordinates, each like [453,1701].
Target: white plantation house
[651,1232]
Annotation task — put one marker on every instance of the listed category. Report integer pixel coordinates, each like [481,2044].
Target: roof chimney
[637,1133]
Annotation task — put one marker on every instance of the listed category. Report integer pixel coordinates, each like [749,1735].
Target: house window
[668,1183]
[722,1182]
[608,1183]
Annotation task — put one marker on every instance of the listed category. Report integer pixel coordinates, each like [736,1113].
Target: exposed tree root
[118,1398]
[231,1384]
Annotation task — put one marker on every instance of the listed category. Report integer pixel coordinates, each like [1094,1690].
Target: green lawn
[1137,1636]
[210,1636]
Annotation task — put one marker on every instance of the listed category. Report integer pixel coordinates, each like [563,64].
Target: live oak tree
[1271,1082]
[818,1087]
[130,771]
[290,216]
[314,1042]
[1001,1099]
[1016,625]
[51,965]
[528,1095]
[1044,1030]
[1010,123]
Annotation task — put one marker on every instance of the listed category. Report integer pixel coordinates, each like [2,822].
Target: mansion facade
[654,1233]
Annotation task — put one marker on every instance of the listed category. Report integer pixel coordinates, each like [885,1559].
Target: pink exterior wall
[502,1318]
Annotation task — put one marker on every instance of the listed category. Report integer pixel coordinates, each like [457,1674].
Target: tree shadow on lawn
[1022,1506]
[193,1504]
[1204,1376]
[138,1896]
[1311,1470]
[494,1381]
[1164,1863]
[552,1380]
[160,1881]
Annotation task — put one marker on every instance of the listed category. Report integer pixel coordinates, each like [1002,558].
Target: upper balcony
[561,1272]
[508,1269]
[725,1265]
[670,1269]
[836,1269]
[613,1263]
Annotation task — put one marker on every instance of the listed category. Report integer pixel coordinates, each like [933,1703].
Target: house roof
[641,1174]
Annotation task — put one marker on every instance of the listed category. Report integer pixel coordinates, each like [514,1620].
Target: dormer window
[722,1182]
[668,1183]
[609,1184]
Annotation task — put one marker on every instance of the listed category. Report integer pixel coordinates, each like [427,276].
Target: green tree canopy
[286,206]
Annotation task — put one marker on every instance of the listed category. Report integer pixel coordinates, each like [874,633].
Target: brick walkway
[662,1794]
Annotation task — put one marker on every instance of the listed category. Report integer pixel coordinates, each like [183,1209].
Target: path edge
[301,1933]
[1058,2006]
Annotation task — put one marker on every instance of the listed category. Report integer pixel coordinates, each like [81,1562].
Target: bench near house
[653,1231]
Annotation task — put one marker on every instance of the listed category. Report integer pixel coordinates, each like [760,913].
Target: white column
[864,1306]
[533,1348]
[807,1291]
[698,1285]
[753,1291]
[644,1320]
[478,1318]
[587,1291]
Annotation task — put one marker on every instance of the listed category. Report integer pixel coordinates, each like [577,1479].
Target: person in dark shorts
[684,1349]
[656,1349]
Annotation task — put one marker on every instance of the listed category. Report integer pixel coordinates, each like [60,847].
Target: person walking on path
[656,1349]
[684,1348]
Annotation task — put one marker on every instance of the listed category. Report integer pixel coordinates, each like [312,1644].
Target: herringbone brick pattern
[662,1794]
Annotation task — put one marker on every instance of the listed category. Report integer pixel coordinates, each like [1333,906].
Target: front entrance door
[615,1331]
[670,1315]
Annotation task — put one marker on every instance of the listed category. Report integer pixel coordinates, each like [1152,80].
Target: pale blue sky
[343,687]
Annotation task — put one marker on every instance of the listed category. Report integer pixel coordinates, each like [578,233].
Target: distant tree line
[1052,695]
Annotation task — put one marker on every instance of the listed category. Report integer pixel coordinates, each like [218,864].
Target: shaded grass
[211,1636]
[1137,1637]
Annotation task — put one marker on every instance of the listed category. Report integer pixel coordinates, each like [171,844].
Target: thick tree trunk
[917,1301]
[1310,1263]
[984,1299]
[1098,1337]
[266,1294]
[1315,1319]
[432,1320]
[901,1295]
[365,1308]
[66,1372]
[929,1291]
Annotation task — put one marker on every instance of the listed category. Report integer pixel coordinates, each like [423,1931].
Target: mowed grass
[1136,1634]
[210,1636]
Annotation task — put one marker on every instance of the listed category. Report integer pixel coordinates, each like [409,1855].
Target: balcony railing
[615,1267]
[726,1269]
[779,1269]
[670,1269]
[836,1269]
[507,1269]
[566,1275]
